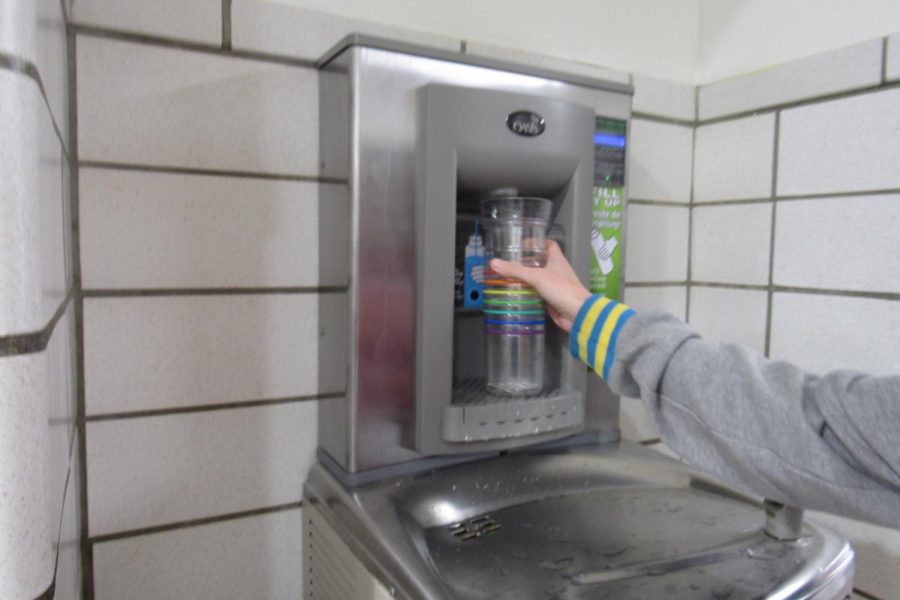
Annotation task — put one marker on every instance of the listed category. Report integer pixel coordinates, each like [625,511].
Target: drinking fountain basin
[586,521]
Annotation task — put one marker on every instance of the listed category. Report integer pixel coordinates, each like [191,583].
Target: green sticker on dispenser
[609,182]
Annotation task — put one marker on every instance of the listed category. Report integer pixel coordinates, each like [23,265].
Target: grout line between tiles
[738,202]
[764,110]
[788,289]
[672,203]
[62,516]
[236,291]
[798,197]
[463,46]
[649,284]
[22,66]
[160,42]
[884,54]
[110,537]
[87,556]
[767,344]
[161,412]
[650,442]
[847,194]
[691,205]
[661,119]
[20,344]
[731,286]
[226,24]
[65,193]
[895,296]
[99,164]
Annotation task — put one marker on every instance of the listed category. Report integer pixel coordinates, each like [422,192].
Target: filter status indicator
[609,187]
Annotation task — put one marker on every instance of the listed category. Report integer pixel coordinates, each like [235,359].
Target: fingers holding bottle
[556,282]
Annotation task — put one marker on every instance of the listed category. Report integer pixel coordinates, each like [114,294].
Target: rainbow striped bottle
[515,317]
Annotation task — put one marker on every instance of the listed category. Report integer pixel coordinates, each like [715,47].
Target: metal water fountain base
[587,521]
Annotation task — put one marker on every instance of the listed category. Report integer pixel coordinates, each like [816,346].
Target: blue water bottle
[473,285]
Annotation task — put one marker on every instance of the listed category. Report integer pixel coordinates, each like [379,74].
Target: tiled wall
[202,329]
[39,469]
[792,246]
[658,220]
[795,249]
[207,309]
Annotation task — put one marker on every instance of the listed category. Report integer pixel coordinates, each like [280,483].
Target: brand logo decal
[525,122]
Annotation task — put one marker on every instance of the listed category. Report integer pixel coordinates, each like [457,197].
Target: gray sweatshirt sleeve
[829,442]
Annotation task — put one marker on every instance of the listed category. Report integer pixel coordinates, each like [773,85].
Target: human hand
[556,283]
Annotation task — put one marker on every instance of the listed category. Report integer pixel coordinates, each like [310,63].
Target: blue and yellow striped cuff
[594,333]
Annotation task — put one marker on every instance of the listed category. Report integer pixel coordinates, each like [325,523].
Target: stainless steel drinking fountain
[427,485]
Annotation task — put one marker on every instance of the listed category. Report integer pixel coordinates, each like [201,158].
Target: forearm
[763,425]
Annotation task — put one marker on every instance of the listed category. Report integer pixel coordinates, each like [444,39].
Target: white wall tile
[37,389]
[660,161]
[18,28]
[634,423]
[730,244]
[156,470]
[265,26]
[158,230]
[193,20]
[656,243]
[850,144]
[877,553]
[26,566]
[254,557]
[32,272]
[58,368]
[671,299]
[21,308]
[840,70]
[35,30]
[161,352]
[893,58]
[68,568]
[36,433]
[52,233]
[730,316]
[844,243]
[663,98]
[52,62]
[67,220]
[162,106]
[733,160]
[542,61]
[824,333]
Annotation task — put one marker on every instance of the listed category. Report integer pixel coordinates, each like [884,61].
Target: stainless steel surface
[368,138]
[370,41]
[473,416]
[465,147]
[609,521]
[783,522]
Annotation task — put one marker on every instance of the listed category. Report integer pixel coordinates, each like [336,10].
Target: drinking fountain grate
[472,392]
[473,528]
[475,416]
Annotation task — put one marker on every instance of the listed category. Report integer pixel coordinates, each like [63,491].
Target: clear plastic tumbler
[515,229]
